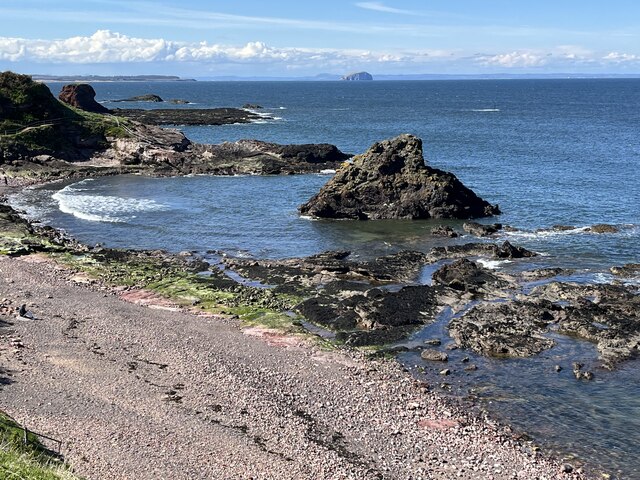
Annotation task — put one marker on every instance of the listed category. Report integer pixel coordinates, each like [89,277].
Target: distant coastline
[110,78]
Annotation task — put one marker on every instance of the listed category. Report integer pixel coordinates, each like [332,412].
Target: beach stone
[434,355]
[82,96]
[444,231]
[391,180]
[445,372]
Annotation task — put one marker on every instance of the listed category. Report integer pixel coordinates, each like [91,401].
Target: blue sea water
[548,151]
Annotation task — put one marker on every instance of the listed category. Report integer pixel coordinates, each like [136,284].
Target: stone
[82,96]
[602,228]
[445,372]
[433,341]
[627,271]
[465,275]
[444,231]
[252,106]
[434,355]
[391,180]
[480,229]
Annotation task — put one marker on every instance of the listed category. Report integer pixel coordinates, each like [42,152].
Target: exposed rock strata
[391,180]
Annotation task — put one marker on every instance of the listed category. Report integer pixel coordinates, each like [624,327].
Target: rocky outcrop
[189,116]
[467,276]
[481,230]
[505,329]
[391,180]
[357,76]
[168,152]
[82,96]
[149,97]
[506,250]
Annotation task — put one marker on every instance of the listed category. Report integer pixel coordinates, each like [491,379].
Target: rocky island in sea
[357,77]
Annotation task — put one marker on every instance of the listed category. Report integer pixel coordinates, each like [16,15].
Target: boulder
[481,230]
[465,275]
[391,180]
[82,96]
[444,231]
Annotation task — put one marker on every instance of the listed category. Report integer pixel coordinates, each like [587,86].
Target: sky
[199,39]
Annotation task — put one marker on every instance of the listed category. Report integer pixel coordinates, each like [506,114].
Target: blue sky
[304,37]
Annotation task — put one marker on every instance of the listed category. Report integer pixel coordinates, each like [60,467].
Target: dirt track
[144,393]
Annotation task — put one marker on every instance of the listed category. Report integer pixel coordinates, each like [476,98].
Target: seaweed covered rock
[391,180]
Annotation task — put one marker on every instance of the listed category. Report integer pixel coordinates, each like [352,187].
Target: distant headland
[114,78]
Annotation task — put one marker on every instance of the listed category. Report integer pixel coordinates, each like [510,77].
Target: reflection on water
[598,421]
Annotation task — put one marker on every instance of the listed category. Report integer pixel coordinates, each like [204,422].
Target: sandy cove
[147,393]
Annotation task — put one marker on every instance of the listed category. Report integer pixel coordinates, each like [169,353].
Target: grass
[27,461]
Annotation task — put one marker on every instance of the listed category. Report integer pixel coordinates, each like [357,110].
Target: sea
[549,152]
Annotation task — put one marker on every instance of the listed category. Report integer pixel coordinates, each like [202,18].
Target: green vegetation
[180,280]
[30,460]
[33,122]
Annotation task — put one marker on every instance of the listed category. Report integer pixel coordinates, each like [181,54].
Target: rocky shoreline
[374,303]
[343,408]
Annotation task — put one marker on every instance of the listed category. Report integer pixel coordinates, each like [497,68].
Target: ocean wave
[492,264]
[102,208]
[485,110]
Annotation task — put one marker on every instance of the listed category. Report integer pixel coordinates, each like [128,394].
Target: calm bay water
[548,151]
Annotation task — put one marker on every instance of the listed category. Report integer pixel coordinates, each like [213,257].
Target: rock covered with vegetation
[34,123]
[391,180]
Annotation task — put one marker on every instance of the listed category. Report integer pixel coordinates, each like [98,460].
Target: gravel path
[145,393]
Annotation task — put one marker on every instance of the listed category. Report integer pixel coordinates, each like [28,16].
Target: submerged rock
[506,250]
[391,180]
[81,96]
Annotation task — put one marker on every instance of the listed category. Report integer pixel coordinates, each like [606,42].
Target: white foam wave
[492,264]
[102,208]
[485,109]
[327,171]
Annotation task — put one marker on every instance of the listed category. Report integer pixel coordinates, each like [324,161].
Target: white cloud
[621,58]
[514,59]
[381,7]
[105,46]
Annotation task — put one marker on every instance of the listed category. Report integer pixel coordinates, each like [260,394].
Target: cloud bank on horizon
[141,36]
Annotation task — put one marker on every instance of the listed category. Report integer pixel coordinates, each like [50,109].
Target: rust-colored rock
[82,96]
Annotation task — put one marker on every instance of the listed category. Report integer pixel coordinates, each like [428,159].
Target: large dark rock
[391,180]
[82,96]
[465,275]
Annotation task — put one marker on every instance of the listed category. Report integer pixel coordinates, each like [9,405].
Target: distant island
[357,76]
[115,78]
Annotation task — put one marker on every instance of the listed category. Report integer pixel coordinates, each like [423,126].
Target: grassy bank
[30,459]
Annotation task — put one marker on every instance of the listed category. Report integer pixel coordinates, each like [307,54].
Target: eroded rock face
[81,96]
[465,275]
[391,180]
